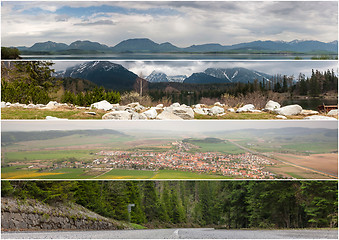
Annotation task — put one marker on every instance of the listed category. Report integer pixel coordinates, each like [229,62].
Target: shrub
[130,97]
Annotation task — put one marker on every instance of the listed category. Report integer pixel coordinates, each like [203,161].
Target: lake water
[166,56]
[310,104]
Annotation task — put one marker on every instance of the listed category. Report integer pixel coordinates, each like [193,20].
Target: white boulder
[319,117]
[200,111]
[159,105]
[216,110]
[271,105]
[52,105]
[246,108]
[104,105]
[151,113]
[308,112]
[175,105]
[289,110]
[138,116]
[333,112]
[231,110]
[281,117]
[54,118]
[117,115]
[182,112]
[165,115]
[3,104]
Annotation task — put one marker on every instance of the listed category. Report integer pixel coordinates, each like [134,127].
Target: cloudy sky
[181,126]
[171,68]
[181,23]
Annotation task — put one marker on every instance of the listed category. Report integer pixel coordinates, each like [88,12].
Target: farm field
[327,163]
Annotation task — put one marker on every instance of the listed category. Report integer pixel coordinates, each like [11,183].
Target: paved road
[182,233]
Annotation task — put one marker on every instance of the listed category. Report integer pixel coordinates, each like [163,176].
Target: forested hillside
[228,204]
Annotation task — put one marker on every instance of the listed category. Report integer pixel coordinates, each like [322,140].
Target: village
[244,165]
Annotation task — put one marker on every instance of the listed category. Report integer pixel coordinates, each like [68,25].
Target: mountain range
[115,76]
[145,45]
[103,73]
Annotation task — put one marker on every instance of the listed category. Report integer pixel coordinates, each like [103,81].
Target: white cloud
[191,22]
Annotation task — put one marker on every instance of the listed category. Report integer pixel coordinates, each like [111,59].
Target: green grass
[48,155]
[222,147]
[73,140]
[174,174]
[137,226]
[161,174]
[313,147]
[294,175]
[22,113]
[69,173]
[127,174]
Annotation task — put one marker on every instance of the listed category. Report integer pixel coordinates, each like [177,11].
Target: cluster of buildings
[244,165]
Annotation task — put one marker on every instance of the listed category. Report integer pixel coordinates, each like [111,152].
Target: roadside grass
[137,226]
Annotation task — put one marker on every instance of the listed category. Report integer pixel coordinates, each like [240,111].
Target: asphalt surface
[181,233]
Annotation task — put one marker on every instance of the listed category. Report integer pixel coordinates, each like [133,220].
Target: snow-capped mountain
[103,73]
[157,76]
[177,78]
[227,75]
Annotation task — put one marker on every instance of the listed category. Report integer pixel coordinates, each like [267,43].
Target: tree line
[229,204]
[319,83]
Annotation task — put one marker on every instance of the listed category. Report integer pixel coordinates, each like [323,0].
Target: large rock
[138,116]
[281,117]
[246,108]
[52,105]
[104,105]
[3,104]
[271,105]
[216,110]
[151,113]
[289,110]
[200,111]
[175,105]
[309,112]
[117,115]
[136,106]
[165,115]
[231,110]
[333,112]
[318,117]
[182,112]
[54,118]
